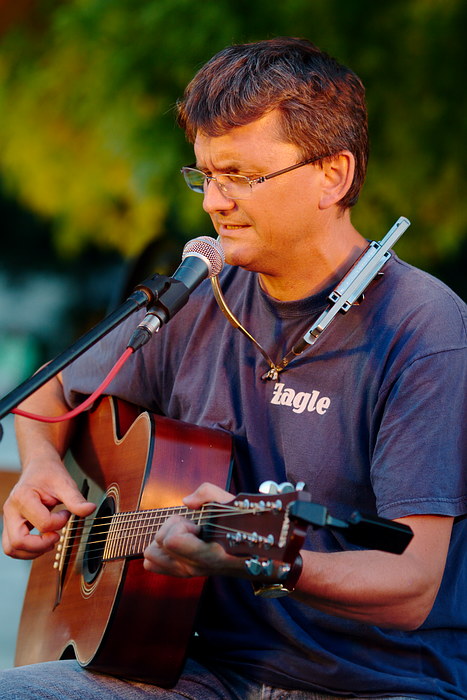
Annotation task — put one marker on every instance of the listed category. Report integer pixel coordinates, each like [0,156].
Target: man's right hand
[44,483]
[29,506]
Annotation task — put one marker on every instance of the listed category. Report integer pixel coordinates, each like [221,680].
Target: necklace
[274,369]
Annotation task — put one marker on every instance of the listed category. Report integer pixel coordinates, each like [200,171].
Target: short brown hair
[321,102]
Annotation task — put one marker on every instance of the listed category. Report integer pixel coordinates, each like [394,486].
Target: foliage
[88,137]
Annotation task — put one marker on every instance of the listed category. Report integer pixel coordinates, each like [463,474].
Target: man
[378,426]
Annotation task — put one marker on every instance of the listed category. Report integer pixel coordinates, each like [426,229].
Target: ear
[337,177]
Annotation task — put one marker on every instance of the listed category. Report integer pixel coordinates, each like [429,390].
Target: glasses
[234,186]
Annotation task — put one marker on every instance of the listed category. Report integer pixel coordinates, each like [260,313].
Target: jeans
[66,680]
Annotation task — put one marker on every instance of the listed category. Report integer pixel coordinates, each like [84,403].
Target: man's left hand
[177,549]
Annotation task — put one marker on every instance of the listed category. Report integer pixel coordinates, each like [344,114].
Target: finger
[28,509]
[35,505]
[189,554]
[69,495]
[205,493]
[158,561]
[24,545]
[162,561]
[175,548]
[173,528]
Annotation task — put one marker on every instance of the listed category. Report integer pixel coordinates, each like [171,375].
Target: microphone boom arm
[162,296]
[144,295]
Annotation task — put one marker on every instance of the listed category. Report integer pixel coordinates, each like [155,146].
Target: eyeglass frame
[250,181]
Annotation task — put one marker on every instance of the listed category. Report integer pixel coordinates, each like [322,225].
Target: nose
[214,199]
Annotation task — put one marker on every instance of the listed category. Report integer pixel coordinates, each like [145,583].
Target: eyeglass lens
[231,185]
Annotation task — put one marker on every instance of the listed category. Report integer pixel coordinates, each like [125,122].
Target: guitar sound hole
[95,545]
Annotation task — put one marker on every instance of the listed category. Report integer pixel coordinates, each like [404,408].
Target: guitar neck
[249,525]
[128,534]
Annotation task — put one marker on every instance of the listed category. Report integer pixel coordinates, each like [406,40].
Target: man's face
[273,228]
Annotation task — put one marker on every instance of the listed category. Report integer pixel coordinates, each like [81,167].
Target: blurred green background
[90,153]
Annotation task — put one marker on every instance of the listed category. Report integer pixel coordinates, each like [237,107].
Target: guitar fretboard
[130,533]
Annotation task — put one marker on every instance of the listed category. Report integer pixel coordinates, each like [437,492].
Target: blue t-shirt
[371,418]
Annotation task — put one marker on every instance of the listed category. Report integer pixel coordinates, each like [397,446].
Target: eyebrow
[233,167]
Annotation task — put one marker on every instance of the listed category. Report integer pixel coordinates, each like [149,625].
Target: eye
[235,179]
[205,171]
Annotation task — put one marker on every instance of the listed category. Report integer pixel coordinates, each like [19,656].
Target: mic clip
[165,295]
[169,295]
[152,287]
[174,295]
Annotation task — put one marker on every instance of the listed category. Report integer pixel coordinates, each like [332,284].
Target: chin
[240,256]
[238,260]
[233,254]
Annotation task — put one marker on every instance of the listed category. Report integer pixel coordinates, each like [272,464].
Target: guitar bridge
[64,548]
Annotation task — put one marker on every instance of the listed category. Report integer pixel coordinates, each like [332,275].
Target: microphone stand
[145,294]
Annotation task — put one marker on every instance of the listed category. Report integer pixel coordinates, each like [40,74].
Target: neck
[315,266]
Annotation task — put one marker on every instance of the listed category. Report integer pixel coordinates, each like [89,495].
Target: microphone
[202,258]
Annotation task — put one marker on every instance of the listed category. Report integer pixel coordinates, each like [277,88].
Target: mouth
[232,227]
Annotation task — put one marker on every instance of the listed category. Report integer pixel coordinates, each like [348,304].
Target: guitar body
[113,615]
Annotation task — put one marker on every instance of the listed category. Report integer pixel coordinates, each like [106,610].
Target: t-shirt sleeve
[419,462]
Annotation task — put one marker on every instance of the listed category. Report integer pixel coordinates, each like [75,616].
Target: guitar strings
[146,517]
[149,524]
[146,527]
[135,542]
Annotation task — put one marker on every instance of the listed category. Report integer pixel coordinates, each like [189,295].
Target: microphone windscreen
[209,249]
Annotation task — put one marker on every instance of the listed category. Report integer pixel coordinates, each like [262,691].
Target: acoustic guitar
[91,597]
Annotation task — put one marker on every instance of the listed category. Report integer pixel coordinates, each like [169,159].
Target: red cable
[88,402]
